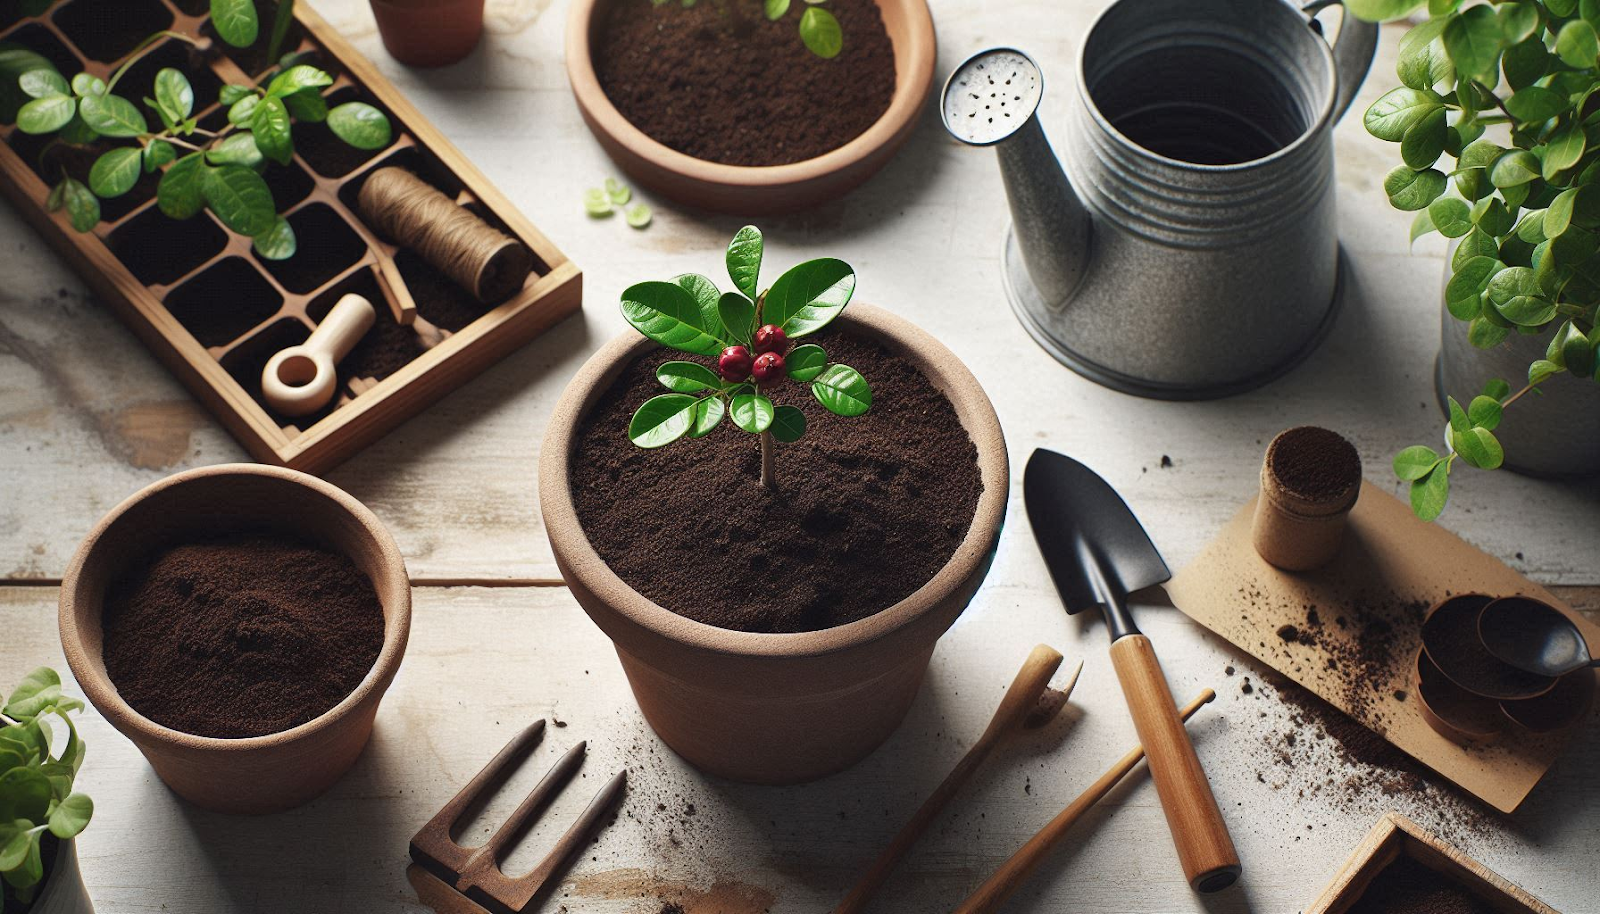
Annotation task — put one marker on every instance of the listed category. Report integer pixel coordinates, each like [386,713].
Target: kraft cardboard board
[1392,566]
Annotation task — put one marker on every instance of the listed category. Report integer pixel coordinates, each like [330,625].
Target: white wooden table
[87,417]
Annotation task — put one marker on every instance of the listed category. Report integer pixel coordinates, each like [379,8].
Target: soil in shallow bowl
[777,638]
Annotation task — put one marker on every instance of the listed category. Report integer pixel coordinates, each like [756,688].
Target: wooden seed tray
[212,311]
[1395,836]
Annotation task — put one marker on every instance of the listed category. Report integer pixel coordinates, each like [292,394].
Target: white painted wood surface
[87,417]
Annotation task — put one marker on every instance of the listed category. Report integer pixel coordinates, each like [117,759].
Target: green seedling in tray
[36,795]
[748,332]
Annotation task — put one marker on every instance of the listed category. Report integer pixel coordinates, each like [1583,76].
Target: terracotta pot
[429,33]
[63,891]
[746,189]
[263,773]
[776,708]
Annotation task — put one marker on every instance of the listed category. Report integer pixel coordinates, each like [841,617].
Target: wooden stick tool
[1016,870]
[1020,698]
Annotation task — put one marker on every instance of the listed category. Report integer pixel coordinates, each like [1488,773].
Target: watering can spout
[992,99]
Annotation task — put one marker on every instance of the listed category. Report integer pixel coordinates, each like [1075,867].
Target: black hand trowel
[1098,554]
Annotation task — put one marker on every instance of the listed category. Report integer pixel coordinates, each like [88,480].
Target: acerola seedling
[692,315]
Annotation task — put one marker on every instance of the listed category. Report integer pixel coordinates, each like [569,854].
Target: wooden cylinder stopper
[1310,479]
[415,215]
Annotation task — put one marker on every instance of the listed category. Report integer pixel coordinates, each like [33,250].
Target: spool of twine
[415,215]
[1310,479]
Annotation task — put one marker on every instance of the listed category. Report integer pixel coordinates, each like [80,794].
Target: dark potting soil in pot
[720,82]
[1314,463]
[867,509]
[1406,886]
[241,636]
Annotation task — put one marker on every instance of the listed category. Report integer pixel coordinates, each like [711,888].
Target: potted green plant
[40,813]
[774,604]
[1497,119]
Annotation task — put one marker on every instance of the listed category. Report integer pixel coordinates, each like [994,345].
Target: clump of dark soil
[867,508]
[1314,463]
[720,82]
[241,636]
[1407,886]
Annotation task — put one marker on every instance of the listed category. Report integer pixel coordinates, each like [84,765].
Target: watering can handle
[1352,52]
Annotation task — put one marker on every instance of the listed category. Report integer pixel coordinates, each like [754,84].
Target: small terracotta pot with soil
[429,33]
[240,624]
[794,664]
[717,107]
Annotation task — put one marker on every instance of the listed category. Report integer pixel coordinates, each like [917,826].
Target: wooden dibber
[417,216]
[1016,870]
[302,379]
[1022,696]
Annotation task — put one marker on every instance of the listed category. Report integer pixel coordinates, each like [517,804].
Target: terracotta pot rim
[937,362]
[910,94]
[103,694]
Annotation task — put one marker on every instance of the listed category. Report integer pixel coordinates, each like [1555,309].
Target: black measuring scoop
[1098,554]
[1534,636]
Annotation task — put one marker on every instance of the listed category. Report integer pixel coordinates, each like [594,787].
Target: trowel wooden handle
[1204,848]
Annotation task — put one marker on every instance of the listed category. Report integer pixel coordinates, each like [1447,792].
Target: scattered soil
[1406,886]
[386,348]
[867,508]
[1314,463]
[1362,647]
[719,81]
[672,907]
[241,636]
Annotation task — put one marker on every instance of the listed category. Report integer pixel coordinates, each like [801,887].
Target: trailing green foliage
[219,170]
[36,794]
[1498,121]
[819,29]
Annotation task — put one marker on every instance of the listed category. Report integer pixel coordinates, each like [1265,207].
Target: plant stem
[1514,397]
[768,478]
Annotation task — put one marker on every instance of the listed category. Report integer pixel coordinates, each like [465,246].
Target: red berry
[768,368]
[771,338]
[734,364]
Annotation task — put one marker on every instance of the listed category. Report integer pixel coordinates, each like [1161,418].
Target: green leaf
[1473,184]
[1452,217]
[751,412]
[662,420]
[1561,8]
[115,173]
[1473,41]
[360,125]
[1535,104]
[1398,110]
[1429,494]
[1497,389]
[668,314]
[637,216]
[1480,154]
[1517,21]
[1415,462]
[788,424]
[1413,190]
[235,21]
[1423,66]
[821,33]
[744,261]
[617,192]
[1483,333]
[687,377]
[1424,142]
[707,298]
[157,154]
[83,210]
[307,106]
[1577,45]
[842,390]
[46,115]
[15,842]
[36,694]
[809,296]
[1492,216]
[16,62]
[596,203]
[1477,447]
[1516,167]
[1530,227]
[112,115]
[71,816]
[1462,294]
[237,149]
[241,112]
[174,95]
[179,194]
[24,794]
[804,363]
[297,78]
[1484,411]
[1420,225]
[775,8]
[1524,63]
[1542,370]
[85,85]
[1381,10]
[278,242]
[43,82]
[738,316]
[240,198]
[1516,295]
[1458,416]
[1477,243]
[708,415]
[230,94]
[270,124]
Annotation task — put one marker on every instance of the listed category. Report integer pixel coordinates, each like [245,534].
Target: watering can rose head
[1498,122]
[36,793]
[749,332]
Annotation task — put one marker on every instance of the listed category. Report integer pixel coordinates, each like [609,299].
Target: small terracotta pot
[747,189]
[263,773]
[776,708]
[429,33]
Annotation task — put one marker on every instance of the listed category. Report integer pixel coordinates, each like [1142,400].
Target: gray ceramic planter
[63,891]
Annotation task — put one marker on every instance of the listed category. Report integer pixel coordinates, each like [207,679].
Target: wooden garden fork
[453,879]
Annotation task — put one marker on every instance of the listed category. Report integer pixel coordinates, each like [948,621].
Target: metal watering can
[1194,251]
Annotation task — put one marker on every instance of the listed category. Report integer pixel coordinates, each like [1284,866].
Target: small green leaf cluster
[690,314]
[819,29]
[1522,203]
[600,203]
[36,793]
[1469,437]
[200,169]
